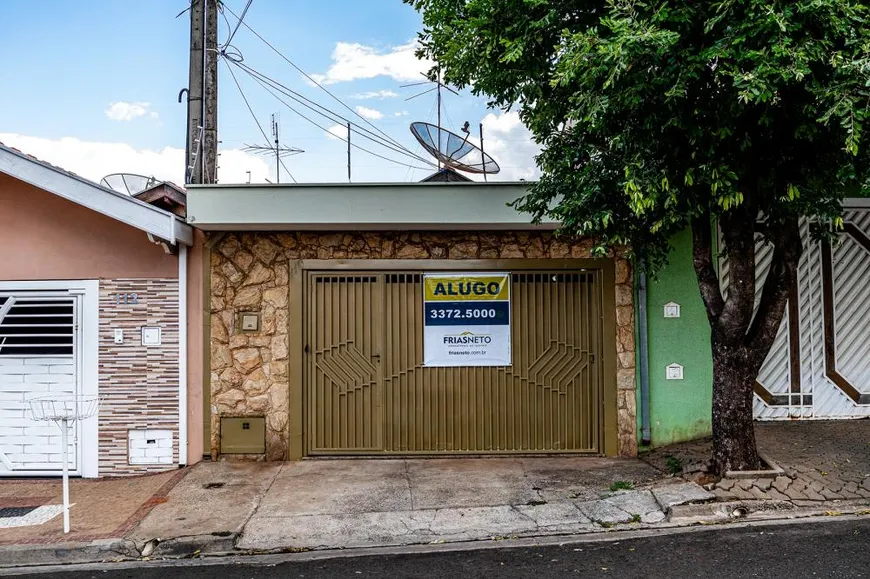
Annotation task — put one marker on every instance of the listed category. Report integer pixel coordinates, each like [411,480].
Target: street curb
[758,510]
[196,545]
[219,545]
[115,550]
[272,559]
[100,550]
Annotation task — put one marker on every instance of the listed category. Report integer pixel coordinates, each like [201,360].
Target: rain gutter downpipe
[182,354]
[643,346]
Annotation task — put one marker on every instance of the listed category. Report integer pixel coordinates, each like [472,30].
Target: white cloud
[510,143]
[337,132]
[352,61]
[95,160]
[122,111]
[375,94]
[368,113]
[401,114]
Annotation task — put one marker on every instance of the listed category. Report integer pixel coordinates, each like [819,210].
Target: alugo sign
[467,319]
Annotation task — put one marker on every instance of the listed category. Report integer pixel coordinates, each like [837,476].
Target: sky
[93,87]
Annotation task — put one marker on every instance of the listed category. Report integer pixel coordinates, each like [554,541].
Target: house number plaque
[126,299]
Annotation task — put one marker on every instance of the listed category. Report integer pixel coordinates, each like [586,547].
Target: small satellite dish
[128,183]
[452,150]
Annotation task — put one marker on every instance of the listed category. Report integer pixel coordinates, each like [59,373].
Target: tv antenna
[437,89]
[276,149]
[452,151]
[128,183]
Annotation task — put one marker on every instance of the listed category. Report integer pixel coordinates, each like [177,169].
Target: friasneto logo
[468,338]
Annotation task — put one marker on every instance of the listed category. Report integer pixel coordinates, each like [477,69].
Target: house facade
[331,305]
[819,365]
[100,295]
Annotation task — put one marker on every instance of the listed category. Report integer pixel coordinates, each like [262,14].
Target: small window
[36,326]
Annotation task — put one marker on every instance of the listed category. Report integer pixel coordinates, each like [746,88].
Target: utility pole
[201,158]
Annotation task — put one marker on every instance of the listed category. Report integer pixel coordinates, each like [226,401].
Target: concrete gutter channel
[670,506]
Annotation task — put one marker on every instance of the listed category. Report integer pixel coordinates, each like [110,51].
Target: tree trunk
[734,445]
[740,341]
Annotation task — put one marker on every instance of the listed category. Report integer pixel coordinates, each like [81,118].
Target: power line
[239,23]
[324,129]
[318,108]
[254,116]
[306,75]
[329,115]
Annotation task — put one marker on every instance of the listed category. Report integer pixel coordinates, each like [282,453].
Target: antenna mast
[277,156]
[439,112]
[276,149]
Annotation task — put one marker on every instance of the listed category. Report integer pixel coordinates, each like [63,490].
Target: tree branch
[702,258]
[780,279]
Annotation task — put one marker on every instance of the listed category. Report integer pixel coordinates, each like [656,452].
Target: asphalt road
[833,549]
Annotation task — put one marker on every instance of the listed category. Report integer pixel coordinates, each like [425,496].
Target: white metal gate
[819,365]
[40,356]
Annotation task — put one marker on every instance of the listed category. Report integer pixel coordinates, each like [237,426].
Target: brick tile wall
[138,384]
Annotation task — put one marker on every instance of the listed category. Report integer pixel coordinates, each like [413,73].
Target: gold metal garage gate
[368,391]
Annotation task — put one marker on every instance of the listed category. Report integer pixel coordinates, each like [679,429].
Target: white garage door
[40,356]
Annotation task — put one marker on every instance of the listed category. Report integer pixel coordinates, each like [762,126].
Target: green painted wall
[679,409]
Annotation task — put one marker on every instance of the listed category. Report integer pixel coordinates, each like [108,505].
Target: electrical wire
[306,75]
[328,114]
[254,116]
[326,130]
[239,23]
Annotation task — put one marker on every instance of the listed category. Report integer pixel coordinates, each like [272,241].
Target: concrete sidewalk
[250,507]
[348,503]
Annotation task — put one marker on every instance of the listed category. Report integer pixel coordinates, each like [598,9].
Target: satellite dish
[128,183]
[452,150]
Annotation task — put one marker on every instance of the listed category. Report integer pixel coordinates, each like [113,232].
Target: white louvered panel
[851,275]
[851,299]
[775,374]
[38,358]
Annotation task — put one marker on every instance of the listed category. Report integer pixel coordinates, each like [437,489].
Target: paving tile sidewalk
[825,463]
[106,508]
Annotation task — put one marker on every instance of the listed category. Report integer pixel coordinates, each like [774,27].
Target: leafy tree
[658,115]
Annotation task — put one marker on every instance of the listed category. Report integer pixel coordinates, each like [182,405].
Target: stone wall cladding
[250,271]
[138,384]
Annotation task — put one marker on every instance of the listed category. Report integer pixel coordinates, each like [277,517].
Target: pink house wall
[45,237]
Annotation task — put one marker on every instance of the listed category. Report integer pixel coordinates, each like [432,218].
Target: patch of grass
[621,485]
[674,464]
[634,519]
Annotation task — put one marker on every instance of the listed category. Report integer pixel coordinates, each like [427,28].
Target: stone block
[781,483]
[623,271]
[624,315]
[625,379]
[259,275]
[624,295]
[276,297]
[247,358]
[680,494]
[228,246]
[248,297]
[243,260]
[626,360]
[265,250]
